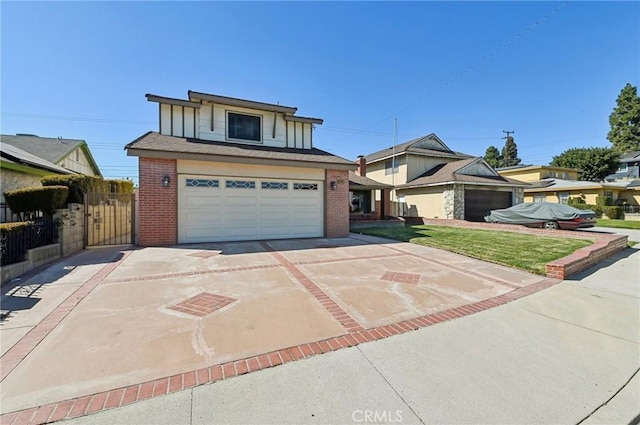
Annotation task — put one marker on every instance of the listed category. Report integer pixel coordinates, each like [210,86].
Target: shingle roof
[413,146]
[12,154]
[634,183]
[362,182]
[630,157]
[160,143]
[445,173]
[560,184]
[48,148]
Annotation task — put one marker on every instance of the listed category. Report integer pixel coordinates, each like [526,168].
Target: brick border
[344,318]
[604,244]
[13,356]
[122,396]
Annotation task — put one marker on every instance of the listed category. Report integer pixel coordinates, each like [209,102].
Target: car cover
[535,213]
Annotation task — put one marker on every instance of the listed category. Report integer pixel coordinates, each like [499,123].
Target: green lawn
[521,251]
[618,224]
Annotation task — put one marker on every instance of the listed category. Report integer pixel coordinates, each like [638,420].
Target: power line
[85,119]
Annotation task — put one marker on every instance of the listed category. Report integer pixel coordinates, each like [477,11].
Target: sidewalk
[568,354]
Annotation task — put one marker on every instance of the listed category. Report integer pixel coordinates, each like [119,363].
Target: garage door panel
[477,203]
[270,209]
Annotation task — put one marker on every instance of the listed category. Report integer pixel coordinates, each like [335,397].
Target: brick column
[157,205]
[336,223]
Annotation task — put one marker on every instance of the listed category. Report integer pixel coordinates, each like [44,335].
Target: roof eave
[151,153]
[172,101]
[232,101]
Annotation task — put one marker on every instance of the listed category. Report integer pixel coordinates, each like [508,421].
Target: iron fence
[8,216]
[14,245]
[631,209]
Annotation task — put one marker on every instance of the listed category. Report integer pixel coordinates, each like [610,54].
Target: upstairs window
[388,166]
[244,127]
[623,168]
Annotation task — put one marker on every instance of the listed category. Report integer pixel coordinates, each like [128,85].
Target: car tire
[550,225]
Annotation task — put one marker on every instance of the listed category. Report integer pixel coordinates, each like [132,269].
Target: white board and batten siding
[181,121]
[242,202]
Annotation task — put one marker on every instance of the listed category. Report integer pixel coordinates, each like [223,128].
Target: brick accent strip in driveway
[117,397]
[23,347]
[345,319]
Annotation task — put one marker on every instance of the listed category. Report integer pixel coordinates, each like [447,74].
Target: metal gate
[109,218]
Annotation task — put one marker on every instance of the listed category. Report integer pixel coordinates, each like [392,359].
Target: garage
[477,203]
[224,208]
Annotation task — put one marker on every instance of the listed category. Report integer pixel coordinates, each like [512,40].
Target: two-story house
[228,169]
[430,180]
[628,168]
[558,184]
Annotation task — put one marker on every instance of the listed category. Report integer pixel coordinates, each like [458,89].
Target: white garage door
[216,208]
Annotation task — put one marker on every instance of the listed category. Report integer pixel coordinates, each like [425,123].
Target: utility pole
[508,133]
[506,159]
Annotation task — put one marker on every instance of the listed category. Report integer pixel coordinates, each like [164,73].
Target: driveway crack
[391,386]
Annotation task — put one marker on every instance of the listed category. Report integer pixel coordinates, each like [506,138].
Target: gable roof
[50,149]
[630,157]
[357,181]
[460,172]
[15,155]
[155,145]
[425,145]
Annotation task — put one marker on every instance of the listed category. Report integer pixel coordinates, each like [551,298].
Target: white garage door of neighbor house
[216,208]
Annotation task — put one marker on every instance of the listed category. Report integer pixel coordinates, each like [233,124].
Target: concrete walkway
[633,234]
[569,354]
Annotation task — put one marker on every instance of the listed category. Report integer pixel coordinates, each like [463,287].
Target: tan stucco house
[430,180]
[558,184]
[228,169]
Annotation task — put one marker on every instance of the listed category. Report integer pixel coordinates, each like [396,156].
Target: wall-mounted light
[333,185]
[166,180]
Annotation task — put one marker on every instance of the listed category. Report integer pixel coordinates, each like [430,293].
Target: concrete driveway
[109,327]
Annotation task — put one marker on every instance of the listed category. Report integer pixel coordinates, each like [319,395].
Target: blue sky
[550,71]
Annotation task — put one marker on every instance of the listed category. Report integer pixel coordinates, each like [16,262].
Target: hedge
[80,184]
[613,213]
[595,208]
[14,227]
[46,199]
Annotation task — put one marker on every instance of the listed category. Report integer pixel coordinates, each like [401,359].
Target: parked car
[544,215]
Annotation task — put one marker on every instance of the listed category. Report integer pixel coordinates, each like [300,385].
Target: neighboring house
[71,154]
[628,168]
[20,169]
[228,169]
[557,184]
[433,181]
[363,193]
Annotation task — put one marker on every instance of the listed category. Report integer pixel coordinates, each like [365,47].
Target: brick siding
[157,215]
[337,204]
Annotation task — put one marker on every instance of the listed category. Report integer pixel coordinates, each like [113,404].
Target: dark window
[391,163]
[244,127]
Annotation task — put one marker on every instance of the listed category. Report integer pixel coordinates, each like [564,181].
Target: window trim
[231,139]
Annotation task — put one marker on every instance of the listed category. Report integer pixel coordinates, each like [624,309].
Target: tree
[625,121]
[493,157]
[510,153]
[594,163]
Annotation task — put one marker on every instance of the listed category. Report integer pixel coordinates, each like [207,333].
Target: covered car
[544,215]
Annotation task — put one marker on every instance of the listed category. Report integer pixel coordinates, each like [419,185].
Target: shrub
[79,184]
[120,186]
[595,208]
[6,228]
[613,213]
[46,199]
[576,200]
[604,201]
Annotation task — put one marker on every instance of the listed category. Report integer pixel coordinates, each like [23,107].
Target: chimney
[361,162]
